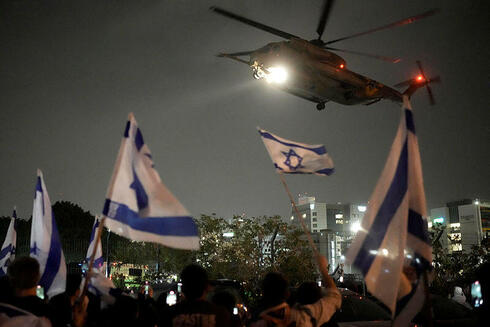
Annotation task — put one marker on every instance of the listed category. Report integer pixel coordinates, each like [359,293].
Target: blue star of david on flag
[291,157]
[293,160]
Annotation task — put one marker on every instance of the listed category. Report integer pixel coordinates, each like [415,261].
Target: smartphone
[476,295]
[40,292]
[171,298]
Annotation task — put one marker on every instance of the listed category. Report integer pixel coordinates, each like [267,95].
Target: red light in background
[341,66]
[420,78]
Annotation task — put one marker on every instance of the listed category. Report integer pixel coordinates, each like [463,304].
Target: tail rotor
[419,81]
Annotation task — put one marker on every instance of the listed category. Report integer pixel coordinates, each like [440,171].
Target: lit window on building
[339,215]
[339,221]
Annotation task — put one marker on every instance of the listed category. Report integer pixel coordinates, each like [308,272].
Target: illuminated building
[332,226]
[465,223]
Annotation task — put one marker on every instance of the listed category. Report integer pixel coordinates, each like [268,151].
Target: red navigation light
[341,66]
[420,78]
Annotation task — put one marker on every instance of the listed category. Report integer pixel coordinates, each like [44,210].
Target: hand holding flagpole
[91,262]
[298,215]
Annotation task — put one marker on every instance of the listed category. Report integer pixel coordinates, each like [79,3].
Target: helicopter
[312,71]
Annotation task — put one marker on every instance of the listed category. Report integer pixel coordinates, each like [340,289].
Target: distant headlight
[276,75]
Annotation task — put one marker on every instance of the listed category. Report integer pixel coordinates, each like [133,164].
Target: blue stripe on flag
[54,258]
[164,226]
[402,302]
[5,251]
[420,265]
[138,139]
[39,186]
[386,212]
[139,190]
[417,227]
[320,150]
[326,171]
[92,234]
[409,120]
[126,130]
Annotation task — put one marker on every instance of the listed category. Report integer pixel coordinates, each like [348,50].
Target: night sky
[71,71]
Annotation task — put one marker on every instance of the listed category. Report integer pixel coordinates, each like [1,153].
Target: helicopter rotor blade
[236,54]
[419,64]
[402,22]
[253,23]
[327,6]
[233,57]
[370,55]
[436,79]
[431,96]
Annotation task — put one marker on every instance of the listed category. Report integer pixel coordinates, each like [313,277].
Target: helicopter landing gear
[320,106]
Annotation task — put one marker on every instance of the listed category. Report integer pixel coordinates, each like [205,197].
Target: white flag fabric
[393,233]
[7,252]
[11,316]
[98,259]
[297,158]
[103,287]
[138,206]
[45,242]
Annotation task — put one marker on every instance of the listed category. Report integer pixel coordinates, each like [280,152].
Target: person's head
[24,273]
[194,281]
[458,291]
[308,293]
[224,299]
[275,288]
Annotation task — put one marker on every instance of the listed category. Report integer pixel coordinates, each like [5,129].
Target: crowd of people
[20,304]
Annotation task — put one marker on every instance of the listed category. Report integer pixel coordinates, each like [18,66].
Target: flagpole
[92,258]
[307,232]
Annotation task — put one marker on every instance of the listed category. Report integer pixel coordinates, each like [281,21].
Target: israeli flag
[45,242]
[7,252]
[138,206]
[393,236]
[98,259]
[103,287]
[297,158]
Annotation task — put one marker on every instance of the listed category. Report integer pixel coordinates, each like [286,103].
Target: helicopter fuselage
[316,74]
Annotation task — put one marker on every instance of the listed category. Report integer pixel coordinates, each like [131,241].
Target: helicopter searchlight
[277,75]
[273,74]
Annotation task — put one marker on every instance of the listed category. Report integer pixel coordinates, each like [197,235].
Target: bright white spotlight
[361,208]
[276,75]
